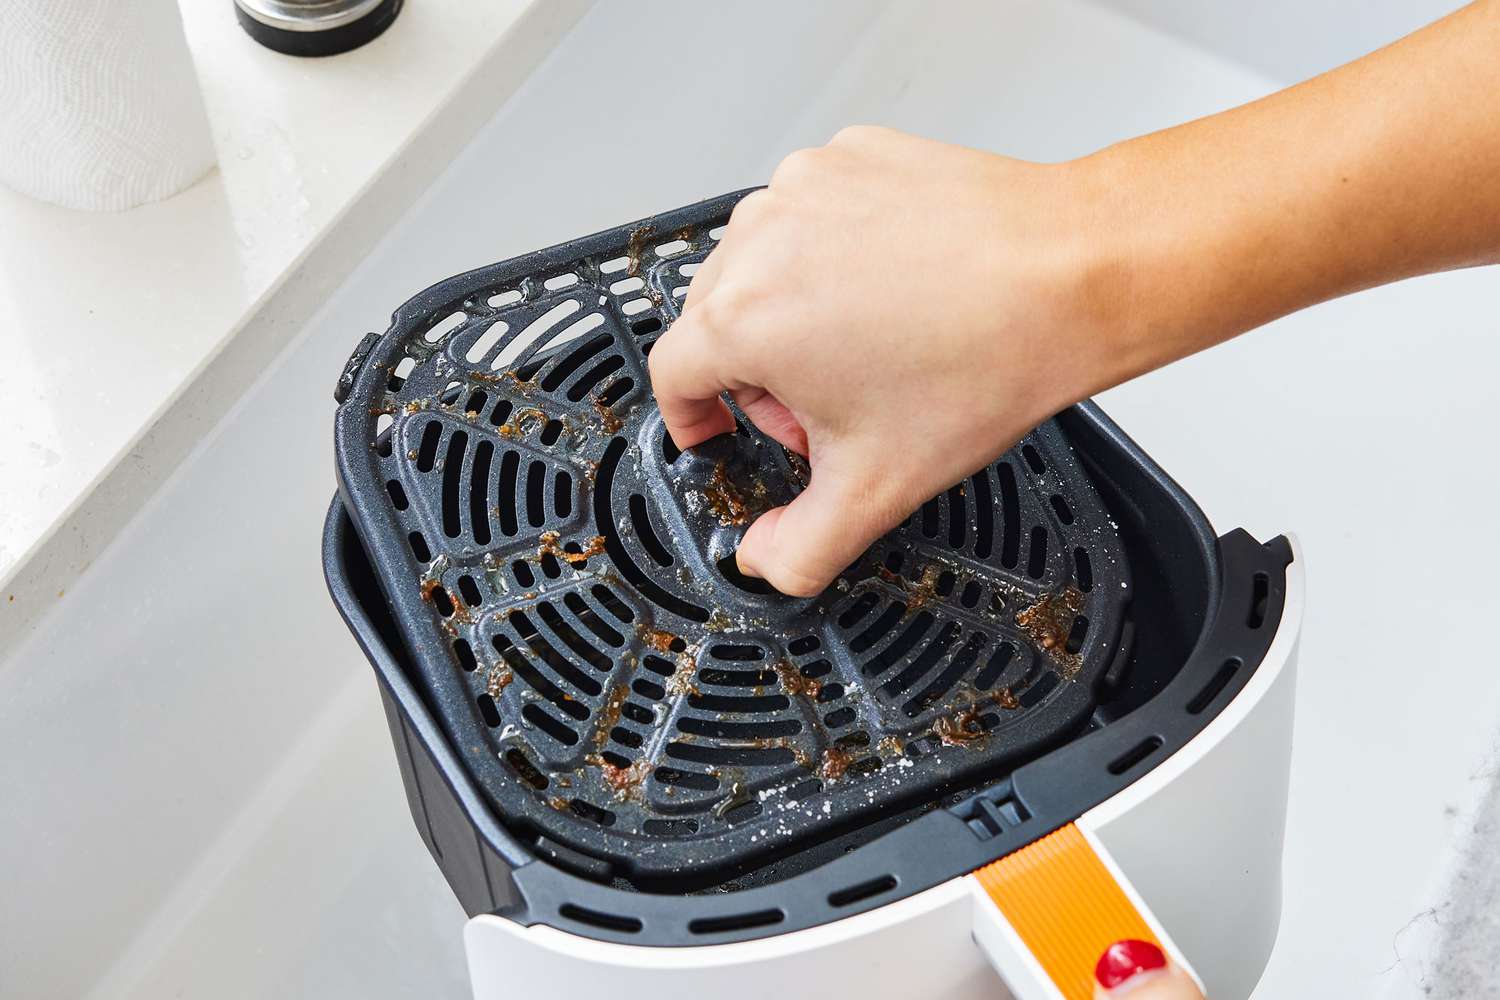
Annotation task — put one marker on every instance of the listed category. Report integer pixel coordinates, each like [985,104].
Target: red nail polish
[1124,959]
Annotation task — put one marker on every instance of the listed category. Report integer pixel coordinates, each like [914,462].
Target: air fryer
[1002,739]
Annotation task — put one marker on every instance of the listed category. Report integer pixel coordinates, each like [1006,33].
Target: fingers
[685,375]
[1138,970]
[801,547]
[768,413]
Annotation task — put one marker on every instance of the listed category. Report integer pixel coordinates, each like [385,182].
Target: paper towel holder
[315,27]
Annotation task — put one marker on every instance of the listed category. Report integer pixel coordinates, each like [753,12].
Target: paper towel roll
[99,105]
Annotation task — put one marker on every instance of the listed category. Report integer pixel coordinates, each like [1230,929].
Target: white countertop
[106,317]
[195,696]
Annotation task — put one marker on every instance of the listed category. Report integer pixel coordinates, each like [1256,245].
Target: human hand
[898,310]
[1138,970]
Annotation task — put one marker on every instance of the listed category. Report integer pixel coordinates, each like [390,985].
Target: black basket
[557,581]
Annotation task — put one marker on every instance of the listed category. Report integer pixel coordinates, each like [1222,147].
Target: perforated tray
[564,579]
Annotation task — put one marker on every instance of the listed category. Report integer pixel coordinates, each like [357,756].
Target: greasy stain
[1047,622]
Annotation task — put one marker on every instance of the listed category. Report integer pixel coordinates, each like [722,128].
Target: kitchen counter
[109,320]
[201,797]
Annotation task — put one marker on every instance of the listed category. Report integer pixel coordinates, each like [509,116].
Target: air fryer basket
[589,702]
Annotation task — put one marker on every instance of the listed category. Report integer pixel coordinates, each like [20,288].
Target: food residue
[960,730]
[836,761]
[624,782]
[498,680]
[792,681]
[725,501]
[609,714]
[609,421]
[1049,620]
[549,547]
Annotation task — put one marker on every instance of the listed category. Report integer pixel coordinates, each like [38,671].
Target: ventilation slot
[1036,561]
[900,646]
[1215,686]
[525,768]
[984,515]
[1260,594]
[427,450]
[397,495]
[488,711]
[697,753]
[1010,516]
[1135,755]
[533,332]
[739,704]
[670,827]
[592,620]
[958,517]
[1003,653]
[736,922]
[862,891]
[594,918]
[453,470]
[924,661]
[479,492]
[695,781]
[510,462]
[604,516]
[879,628]
[485,342]
[574,361]
[419,547]
[594,376]
[1083,570]
[723,730]
[547,724]
[640,520]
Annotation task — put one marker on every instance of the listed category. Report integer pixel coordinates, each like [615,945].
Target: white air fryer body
[1199,833]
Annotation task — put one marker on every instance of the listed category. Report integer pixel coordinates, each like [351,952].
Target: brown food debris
[609,714]
[609,421]
[1007,699]
[559,803]
[432,585]
[498,680]
[1047,622]
[624,782]
[921,593]
[891,746]
[635,249]
[521,422]
[836,761]
[659,639]
[961,730]
[792,681]
[725,500]
[550,547]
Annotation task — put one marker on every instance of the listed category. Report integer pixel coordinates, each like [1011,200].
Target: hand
[899,311]
[1138,970]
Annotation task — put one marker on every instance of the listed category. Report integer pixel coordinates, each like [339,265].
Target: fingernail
[1126,959]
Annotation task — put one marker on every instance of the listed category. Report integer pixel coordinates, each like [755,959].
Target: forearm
[1383,169]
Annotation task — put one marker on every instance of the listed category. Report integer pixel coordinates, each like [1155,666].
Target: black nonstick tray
[563,581]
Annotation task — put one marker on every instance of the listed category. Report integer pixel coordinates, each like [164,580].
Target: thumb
[1138,970]
[800,548]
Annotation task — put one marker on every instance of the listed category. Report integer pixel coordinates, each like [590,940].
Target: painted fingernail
[1125,959]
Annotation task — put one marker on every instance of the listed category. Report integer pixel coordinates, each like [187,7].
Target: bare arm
[901,310]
